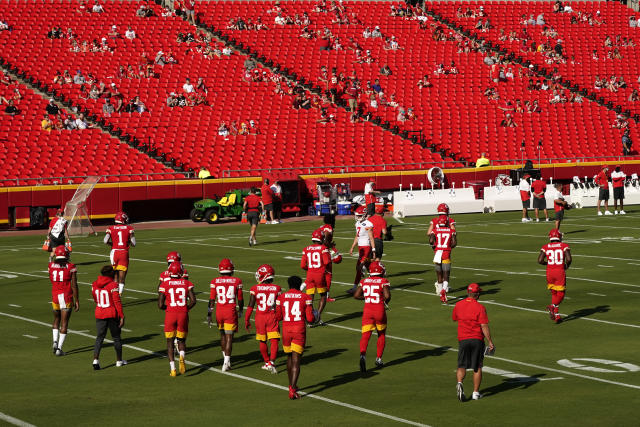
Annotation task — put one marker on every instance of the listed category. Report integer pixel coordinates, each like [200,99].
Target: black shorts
[471,354]
[618,193]
[253,218]
[526,204]
[54,242]
[539,203]
[379,247]
[603,194]
[560,215]
[268,208]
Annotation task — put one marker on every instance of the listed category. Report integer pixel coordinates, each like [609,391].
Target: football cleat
[557,319]
[266,366]
[615,212]
[120,363]
[552,314]
[255,241]
[438,288]
[173,373]
[476,395]
[226,367]
[460,392]
[60,352]
[622,212]
[55,347]
[599,213]
[272,368]
[537,219]
[329,299]
[293,393]
[607,212]
[443,296]
[363,364]
[96,366]
[250,241]
[181,366]
[379,362]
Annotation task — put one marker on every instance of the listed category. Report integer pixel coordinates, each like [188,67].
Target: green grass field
[524,384]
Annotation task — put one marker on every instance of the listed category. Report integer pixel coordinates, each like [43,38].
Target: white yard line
[15,305]
[14,421]
[524,299]
[413,308]
[238,376]
[30,336]
[631,292]
[596,295]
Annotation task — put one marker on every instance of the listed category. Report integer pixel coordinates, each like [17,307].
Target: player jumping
[375,292]
[64,294]
[442,238]
[365,242]
[315,259]
[120,237]
[172,298]
[267,328]
[556,255]
[225,290]
[293,308]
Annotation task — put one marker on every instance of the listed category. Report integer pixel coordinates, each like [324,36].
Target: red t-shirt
[539,186]
[267,194]
[602,180]
[105,294]
[379,224]
[253,203]
[470,314]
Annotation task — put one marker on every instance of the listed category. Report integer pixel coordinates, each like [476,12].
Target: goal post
[75,211]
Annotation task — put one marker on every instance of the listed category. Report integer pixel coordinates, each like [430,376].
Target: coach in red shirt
[473,328]
[109,314]
[602,181]
[379,230]
[267,200]
[538,189]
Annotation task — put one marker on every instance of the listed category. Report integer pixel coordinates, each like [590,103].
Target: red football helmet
[316,236]
[173,257]
[555,234]
[443,221]
[121,218]
[226,266]
[376,268]
[265,272]
[443,209]
[175,269]
[61,252]
[360,212]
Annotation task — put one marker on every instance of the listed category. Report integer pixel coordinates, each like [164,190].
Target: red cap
[59,211]
[605,166]
[526,176]
[474,288]
[372,179]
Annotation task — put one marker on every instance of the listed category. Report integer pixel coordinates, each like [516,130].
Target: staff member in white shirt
[525,196]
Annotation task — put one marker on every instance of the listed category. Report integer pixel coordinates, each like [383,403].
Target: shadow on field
[416,355]
[511,384]
[484,286]
[345,317]
[574,231]
[139,302]
[341,379]
[314,357]
[407,273]
[586,312]
[276,242]
[90,262]
[108,346]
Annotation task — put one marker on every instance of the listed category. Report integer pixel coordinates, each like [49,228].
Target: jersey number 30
[555,257]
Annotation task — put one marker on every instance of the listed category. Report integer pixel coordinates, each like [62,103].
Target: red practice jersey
[315,258]
[105,294]
[294,308]
[226,290]
[452,222]
[265,295]
[121,235]
[444,236]
[372,289]
[555,255]
[175,292]
[60,275]
[165,276]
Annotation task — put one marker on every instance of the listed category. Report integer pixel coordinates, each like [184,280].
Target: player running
[375,292]
[442,238]
[64,294]
[293,308]
[315,259]
[326,229]
[109,314]
[176,298]
[267,327]
[225,290]
[120,237]
[57,234]
[365,242]
[556,255]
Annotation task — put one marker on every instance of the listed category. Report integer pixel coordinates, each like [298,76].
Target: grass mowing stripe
[231,374]
[14,421]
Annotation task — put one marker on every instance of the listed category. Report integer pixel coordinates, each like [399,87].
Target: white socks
[173,365]
[181,354]
[227,360]
[96,362]
[120,288]
[445,286]
[56,335]
[61,341]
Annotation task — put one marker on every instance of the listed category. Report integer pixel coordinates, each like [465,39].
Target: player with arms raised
[315,259]
[375,292]
[293,308]
[556,255]
[64,294]
[264,294]
[365,242]
[226,290]
[442,238]
[176,298]
[120,237]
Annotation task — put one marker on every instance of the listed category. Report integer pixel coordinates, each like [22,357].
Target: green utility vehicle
[211,210]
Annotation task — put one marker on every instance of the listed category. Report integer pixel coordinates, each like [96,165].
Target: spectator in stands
[250,63]
[130,34]
[376,33]
[187,86]
[401,117]
[144,11]
[78,78]
[94,92]
[172,101]
[97,7]
[508,122]
[113,32]
[108,109]
[482,161]
[204,173]
[80,122]
[424,82]
[385,70]
[160,59]
[540,19]
[52,108]
[11,109]
[626,143]
[55,33]
[67,77]
[632,22]
[46,124]
[223,130]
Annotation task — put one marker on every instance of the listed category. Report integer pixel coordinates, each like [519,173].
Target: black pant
[113,324]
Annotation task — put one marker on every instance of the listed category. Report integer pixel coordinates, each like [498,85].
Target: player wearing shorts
[556,255]
[617,180]
[559,204]
[57,234]
[226,290]
[171,258]
[326,229]
[252,207]
[602,181]
[294,309]
[109,314]
[379,231]
[366,245]
[538,189]
[264,295]
[375,292]
[315,259]
[442,238]
[176,298]
[64,295]
[120,237]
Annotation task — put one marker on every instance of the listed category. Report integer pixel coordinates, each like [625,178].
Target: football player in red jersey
[442,238]
[267,327]
[315,259]
[109,314]
[379,231]
[171,258]
[120,237]
[225,290]
[326,230]
[294,308]
[64,294]
[556,255]
[365,242]
[375,292]
[176,298]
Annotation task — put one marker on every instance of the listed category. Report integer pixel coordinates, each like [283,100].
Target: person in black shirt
[52,109]
[11,109]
